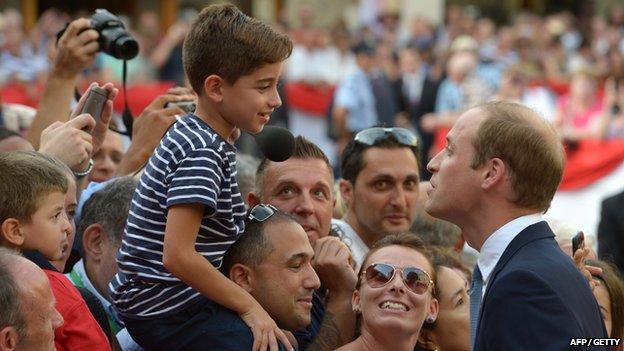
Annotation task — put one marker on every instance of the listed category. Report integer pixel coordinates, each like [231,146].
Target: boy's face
[248,103]
[48,228]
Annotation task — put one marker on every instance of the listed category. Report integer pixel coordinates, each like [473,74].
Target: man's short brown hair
[226,42]
[27,177]
[530,148]
[304,149]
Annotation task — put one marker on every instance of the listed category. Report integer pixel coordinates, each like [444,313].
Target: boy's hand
[265,331]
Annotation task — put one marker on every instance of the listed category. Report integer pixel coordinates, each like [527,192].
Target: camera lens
[118,43]
[126,48]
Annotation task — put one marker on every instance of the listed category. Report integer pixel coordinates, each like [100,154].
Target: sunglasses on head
[261,213]
[380,274]
[372,136]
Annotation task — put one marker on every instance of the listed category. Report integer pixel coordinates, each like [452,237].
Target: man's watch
[80,175]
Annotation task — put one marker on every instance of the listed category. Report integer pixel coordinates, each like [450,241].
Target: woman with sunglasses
[393,295]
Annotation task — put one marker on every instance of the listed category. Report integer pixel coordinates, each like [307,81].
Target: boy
[187,209]
[33,217]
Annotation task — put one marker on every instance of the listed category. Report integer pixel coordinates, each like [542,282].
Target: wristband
[86,172]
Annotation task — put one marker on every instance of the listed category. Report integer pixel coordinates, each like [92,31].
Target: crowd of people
[408,147]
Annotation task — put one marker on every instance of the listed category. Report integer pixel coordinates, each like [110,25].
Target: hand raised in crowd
[150,126]
[74,52]
[265,332]
[76,140]
[586,271]
[333,264]
[76,49]
[68,141]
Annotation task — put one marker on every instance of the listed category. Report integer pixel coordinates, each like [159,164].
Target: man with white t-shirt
[380,171]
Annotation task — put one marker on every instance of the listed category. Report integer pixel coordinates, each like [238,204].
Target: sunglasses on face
[380,274]
[372,136]
[261,213]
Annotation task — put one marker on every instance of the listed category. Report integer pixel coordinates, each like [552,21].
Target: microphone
[276,143]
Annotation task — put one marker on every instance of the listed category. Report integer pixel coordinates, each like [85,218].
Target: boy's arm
[182,260]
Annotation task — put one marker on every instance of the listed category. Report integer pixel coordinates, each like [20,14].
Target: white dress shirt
[497,243]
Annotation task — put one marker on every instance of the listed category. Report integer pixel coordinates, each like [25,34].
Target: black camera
[114,38]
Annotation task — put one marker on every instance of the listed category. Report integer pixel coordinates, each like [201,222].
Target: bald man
[29,316]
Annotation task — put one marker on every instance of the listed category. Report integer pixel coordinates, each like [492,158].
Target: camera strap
[126,115]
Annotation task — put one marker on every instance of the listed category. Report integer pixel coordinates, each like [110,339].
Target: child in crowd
[187,209]
[33,218]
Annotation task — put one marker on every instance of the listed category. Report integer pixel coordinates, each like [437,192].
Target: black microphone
[276,143]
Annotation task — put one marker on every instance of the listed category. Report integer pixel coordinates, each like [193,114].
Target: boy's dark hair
[253,246]
[353,160]
[226,42]
[108,207]
[304,149]
[26,177]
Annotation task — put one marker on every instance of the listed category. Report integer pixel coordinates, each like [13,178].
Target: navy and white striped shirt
[192,164]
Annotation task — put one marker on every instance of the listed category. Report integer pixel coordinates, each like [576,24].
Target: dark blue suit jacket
[536,298]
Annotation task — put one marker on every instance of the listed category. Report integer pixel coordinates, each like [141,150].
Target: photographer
[76,50]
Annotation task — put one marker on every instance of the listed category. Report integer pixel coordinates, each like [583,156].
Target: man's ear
[8,338]
[12,233]
[242,276]
[346,192]
[495,171]
[213,85]
[252,199]
[93,241]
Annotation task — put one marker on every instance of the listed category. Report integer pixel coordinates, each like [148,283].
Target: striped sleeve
[197,179]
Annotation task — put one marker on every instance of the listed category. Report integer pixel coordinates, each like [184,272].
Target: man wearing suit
[495,178]
[611,231]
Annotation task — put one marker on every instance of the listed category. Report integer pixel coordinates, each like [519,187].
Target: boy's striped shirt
[192,164]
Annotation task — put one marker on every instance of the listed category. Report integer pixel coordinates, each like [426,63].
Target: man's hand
[586,271]
[98,132]
[69,142]
[332,262]
[76,49]
[75,141]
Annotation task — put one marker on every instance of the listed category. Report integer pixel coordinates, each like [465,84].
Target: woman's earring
[356,309]
[430,319]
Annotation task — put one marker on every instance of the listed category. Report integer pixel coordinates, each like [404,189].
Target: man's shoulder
[227,330]
[613,201]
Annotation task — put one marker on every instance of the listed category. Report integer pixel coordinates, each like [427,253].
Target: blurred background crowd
[424,62]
